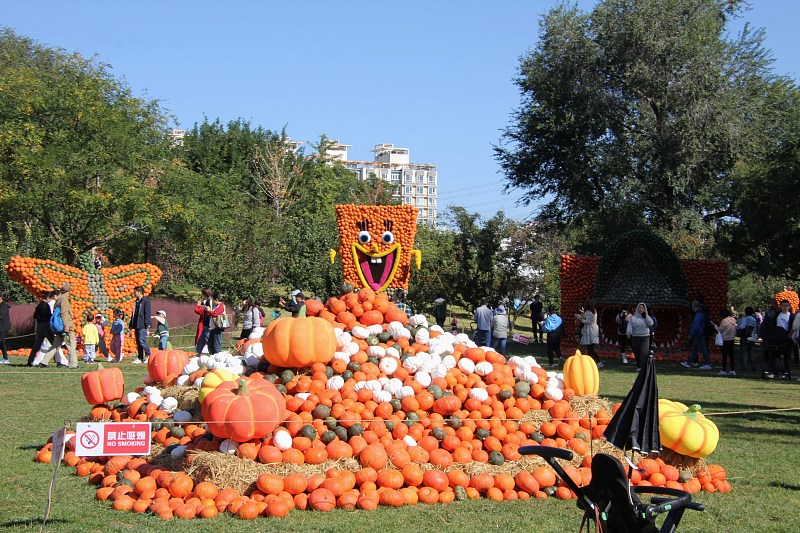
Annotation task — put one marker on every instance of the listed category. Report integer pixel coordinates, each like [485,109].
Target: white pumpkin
[204,361]
[197,383]
[391,351]
[409,440]
[422,335]
[376,351]
[342,356]
[229,447]
[302,395]
[405,392]
[360,385]
[423,378]
[352,348]
[418,320]
[375,329]
[147,391]
[401,334]
[282,440]
[552,382]
[463,338]
[182,417]
[531,377]
[169,404]
[374,385]
[130,398]
[155,398]
[219,365]
[553,393]
[393,387]
[438,328]
[257,333]
[343,340]
[449,361]
[190,368]
[466,365]
[394,327]
[382,396]
[388,365]
[440,371]
[182,381]
[251,359]
[479,394]
[360,332]
[335,383]
[515,361]
[484,368]
[412,364]
[383,380]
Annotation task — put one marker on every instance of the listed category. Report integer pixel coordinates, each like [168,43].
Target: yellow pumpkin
[580,374]
[212,380]
[685,430]
[299,342]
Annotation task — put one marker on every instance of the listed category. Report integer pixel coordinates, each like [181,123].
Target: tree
[78,150]
[636,114]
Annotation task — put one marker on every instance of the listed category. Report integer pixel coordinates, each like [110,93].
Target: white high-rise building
[416,182]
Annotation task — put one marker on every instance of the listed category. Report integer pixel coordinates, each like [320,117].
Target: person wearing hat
[162,329]
[500,327]
[298,309]
[68,335]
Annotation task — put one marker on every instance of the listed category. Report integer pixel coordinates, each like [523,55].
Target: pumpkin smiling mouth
[376,269]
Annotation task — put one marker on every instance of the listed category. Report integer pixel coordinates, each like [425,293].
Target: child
[162,329]
[90,340]
[117,330]
[454,323]
[100,322]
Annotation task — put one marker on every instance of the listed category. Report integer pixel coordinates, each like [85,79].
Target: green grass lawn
[761,452]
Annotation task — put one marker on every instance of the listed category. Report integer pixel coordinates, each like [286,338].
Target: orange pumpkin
[244,410]
[376,244]
[299,342]
[166,365]
[103,385]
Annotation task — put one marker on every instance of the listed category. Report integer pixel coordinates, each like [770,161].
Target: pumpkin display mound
[401,414]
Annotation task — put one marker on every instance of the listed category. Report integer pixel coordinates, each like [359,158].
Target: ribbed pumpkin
[299,342]
[166,365]
[243,410]
[685,430]
[212,380]
[580,374]
[103,385]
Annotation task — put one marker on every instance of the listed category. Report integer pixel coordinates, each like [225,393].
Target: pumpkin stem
[693,410]
[243,390]
[99,366]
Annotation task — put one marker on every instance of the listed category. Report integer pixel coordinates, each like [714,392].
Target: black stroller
[611,502]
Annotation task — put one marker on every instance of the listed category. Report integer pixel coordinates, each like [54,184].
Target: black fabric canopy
[635,424]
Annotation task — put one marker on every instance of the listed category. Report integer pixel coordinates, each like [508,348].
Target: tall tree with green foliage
[636,114]
[78,150]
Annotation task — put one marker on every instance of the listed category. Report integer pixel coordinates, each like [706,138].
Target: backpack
[56,322]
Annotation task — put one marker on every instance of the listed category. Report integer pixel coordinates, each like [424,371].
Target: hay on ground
[683,462]
[536,416]
[186,396]
[589,405]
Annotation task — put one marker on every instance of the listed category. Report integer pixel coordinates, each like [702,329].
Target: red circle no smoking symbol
[90,439]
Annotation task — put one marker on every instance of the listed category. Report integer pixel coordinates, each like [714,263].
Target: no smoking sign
[96,439]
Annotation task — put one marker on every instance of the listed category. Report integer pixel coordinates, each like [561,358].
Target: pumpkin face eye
[364,237]
[387,237]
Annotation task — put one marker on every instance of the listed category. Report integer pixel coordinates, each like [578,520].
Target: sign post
[94,439]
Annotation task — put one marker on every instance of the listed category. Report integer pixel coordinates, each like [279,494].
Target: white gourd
[388,365]
[376,351]
[130,398]
[479,394]
[282,440]
[440,371]
[360,332]
[405,392]
[343,340]
[422,336]
[466,365]
[382,396]
[484,368]
[449,361]
[423,378]
[375,329]
[229,447]
[190,368]
[409,440]
[335,383]
[391,351]
[553,393]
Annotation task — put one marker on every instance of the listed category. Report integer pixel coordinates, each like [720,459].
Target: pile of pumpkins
[415,408]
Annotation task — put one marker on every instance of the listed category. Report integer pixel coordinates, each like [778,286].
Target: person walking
[727,330]
[500,326]
[776,339]
[483,323]
[697,336]
[639,334]
[162,329]
[63,308]
[748,333]
[440,310]
[41,316]
[117,332]
[203,321]
[590,331]
[5,325]
[219,320]
[140,323]
[554,328]
[622,319]
[537,317]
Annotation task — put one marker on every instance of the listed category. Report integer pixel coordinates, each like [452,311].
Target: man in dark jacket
[41,315]
[775,337]
[140,321]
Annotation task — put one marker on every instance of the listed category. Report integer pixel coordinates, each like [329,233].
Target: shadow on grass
[31,522]
[780,485]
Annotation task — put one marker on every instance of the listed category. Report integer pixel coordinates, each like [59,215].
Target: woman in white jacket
[590,332]
[639,334]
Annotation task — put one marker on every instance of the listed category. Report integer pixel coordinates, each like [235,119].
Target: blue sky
[434,77]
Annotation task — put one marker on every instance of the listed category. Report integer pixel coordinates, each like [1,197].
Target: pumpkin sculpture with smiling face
[243,410]
[376,244]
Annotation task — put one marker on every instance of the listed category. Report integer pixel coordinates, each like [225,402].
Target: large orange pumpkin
[376,244]
[580,374]
[103,385]
[299,342]
[166,365]
[244,410]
